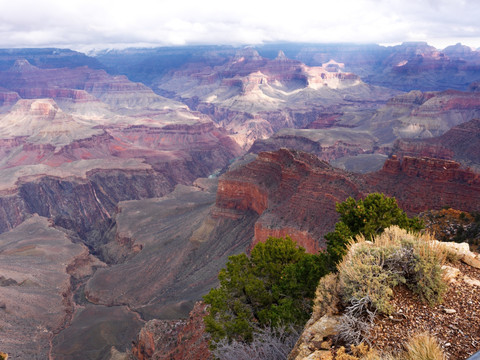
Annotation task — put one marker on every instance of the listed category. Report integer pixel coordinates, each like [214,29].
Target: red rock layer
[300,191]
[174,340]
[461,143]
[420,184]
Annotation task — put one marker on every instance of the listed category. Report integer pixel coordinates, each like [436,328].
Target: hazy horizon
[92,24]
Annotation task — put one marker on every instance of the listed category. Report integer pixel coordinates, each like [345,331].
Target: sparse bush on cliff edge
[396,257]
[275,286]
[371,270]
[267,344]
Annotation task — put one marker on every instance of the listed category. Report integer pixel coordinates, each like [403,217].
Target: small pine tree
[369,217]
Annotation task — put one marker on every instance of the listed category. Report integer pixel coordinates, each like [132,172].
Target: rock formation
[453,323]
[77,143]
[40,267]
[461,143]
[174,339]
[253,97]
[360,142]
[295,193]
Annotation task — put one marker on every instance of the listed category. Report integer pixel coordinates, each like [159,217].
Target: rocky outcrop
[420,184]
[296,185]
[450,322]
[300,191]
[461,143]
[174,340]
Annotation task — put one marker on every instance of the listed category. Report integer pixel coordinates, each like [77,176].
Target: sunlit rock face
[361,143]
[253,97]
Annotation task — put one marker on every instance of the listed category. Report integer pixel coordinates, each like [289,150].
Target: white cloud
[85,23]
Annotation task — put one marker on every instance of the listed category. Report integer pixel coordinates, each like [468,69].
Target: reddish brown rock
[175,339]
[461,144]
[301,191]
[421,184]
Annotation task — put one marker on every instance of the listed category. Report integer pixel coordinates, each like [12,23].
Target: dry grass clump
[420,347]
[268,344]
[423,347]
[370,271]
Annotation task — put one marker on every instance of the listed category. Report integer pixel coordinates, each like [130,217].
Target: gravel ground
[455,323]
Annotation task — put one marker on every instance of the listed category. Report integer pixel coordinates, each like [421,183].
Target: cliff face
[461,143]
[300,191]
[420,184]
[80,184]
[174,340]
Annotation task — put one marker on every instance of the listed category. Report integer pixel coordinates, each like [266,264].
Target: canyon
[121,200]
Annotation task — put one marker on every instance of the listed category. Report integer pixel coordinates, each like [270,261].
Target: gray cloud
[94,23]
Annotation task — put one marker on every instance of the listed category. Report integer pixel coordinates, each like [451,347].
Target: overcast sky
[88,24]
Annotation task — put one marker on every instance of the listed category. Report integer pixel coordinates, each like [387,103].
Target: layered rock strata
[295,193]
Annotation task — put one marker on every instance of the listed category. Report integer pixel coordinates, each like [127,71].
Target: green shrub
[273,287]
[427,279]
[368,217]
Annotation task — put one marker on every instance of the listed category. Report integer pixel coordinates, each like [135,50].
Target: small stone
[326,345]
[450,311]
[448,345]
[470,281]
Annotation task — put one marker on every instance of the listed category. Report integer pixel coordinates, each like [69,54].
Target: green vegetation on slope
[275,286]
